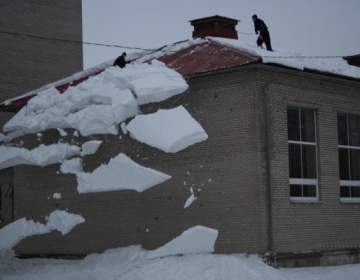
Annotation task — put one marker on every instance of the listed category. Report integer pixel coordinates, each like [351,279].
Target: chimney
[353,60]
[215,26]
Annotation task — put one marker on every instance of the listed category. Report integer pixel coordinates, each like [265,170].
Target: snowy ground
[133,263]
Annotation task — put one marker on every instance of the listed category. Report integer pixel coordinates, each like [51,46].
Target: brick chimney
[215,26]
[353,60]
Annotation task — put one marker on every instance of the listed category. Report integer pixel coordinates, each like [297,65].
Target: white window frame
[350,183]
[302,181]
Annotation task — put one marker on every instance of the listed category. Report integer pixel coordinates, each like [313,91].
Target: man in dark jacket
[120,61]
[260,27]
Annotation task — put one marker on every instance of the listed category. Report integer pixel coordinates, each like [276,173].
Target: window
[349,157]
[302,154]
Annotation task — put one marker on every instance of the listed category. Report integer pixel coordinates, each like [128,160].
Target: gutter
[268,165]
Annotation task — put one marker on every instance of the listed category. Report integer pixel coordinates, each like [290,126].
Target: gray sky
[313,27]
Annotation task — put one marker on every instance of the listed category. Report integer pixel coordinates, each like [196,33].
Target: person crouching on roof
[120,61]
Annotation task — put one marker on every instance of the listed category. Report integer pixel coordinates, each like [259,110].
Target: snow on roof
[98,104]
[77,76]
[297,60]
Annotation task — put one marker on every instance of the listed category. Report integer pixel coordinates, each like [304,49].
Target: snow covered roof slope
[194,56]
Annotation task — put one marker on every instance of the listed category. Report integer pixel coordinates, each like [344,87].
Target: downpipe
[270,256]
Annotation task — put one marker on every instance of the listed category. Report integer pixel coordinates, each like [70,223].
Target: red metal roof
[204,57]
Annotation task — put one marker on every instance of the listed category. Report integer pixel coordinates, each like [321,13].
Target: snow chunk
[90,147]
[59,220]
[123,128]
[198,239]
[62,132]
[57,196]
[42,155]
[15,122]
[13,233]
[151,83]
[169,130]
[121,173]
[190,200]
[71,166]
[63,221]
[99,104]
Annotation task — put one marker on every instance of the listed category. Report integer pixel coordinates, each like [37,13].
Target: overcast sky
[313,27]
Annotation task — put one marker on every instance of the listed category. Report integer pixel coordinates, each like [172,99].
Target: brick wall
[328,223]
[227,168]
[229,106]
[28,63]
[6,176]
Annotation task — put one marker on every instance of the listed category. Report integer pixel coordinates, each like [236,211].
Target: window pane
[342,130]
[344,164]
[354,131]
[294,161]
[295,191]
[307,125]
[344,191]
[355,191]
[293,124]
[309,191]
[309,161]
[355,164]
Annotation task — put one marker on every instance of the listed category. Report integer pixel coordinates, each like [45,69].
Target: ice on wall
[90,147]
[71,166]
[121,173]
[63,221]
[13,233]
[57,196]
[59,220]
[42,155]
[198,239]
[169,130]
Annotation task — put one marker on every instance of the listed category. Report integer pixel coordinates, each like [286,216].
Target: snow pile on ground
[132,263]
[59,220]
[168,130]
[42,155]
[121,173]
[198,239]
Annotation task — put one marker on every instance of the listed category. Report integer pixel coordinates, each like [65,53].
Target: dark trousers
[267,41]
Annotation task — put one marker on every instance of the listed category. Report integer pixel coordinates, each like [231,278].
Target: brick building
[30,58]
[278,173]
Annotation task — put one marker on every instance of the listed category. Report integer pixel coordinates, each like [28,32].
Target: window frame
[304,181]
[347,183]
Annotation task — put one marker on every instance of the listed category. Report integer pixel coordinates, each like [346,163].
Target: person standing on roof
[260,27]
[120,61]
